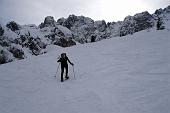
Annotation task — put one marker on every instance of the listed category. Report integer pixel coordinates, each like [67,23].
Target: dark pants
[62,71]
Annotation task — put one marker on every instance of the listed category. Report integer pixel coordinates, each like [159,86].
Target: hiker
[63,60]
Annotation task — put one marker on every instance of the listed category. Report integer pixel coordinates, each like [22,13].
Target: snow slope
[128,74]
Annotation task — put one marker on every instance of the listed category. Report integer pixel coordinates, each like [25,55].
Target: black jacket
[64,61]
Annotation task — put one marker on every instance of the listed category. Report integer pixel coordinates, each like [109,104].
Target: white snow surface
[128,74]
[65,30]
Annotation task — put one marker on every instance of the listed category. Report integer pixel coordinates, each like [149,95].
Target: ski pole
[57,70]
[74,73]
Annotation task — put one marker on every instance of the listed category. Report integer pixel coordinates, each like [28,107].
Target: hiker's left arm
[69,61]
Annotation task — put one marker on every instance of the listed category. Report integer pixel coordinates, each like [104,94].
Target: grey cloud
[34,11]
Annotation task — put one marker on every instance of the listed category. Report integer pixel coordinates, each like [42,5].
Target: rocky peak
[75,21]
[167,9]
[70,21]
[162,11]
[85,20]
[48,22]
[13,26]
[1,31]
[159,11]
[61,21]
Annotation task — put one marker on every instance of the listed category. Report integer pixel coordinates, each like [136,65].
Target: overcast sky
[34,11]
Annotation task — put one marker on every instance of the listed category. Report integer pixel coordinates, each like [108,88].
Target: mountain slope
[120,75]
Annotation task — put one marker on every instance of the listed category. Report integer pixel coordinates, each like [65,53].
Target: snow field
[120,75]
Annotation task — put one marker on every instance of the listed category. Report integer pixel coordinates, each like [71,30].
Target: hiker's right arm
[59,60]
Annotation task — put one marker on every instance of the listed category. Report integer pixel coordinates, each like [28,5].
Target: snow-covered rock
[5,55]
[100,25]
[1,31]
[138,22]
[13,26]
[16,51]
[48,22]
[162,17]
[67,33]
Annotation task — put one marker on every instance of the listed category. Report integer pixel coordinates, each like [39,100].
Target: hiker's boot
[66,77]
[62,80]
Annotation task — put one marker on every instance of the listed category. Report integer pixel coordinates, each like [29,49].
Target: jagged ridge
[19,41]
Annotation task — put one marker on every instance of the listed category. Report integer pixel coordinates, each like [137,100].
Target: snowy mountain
[21,41]
[129,74]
